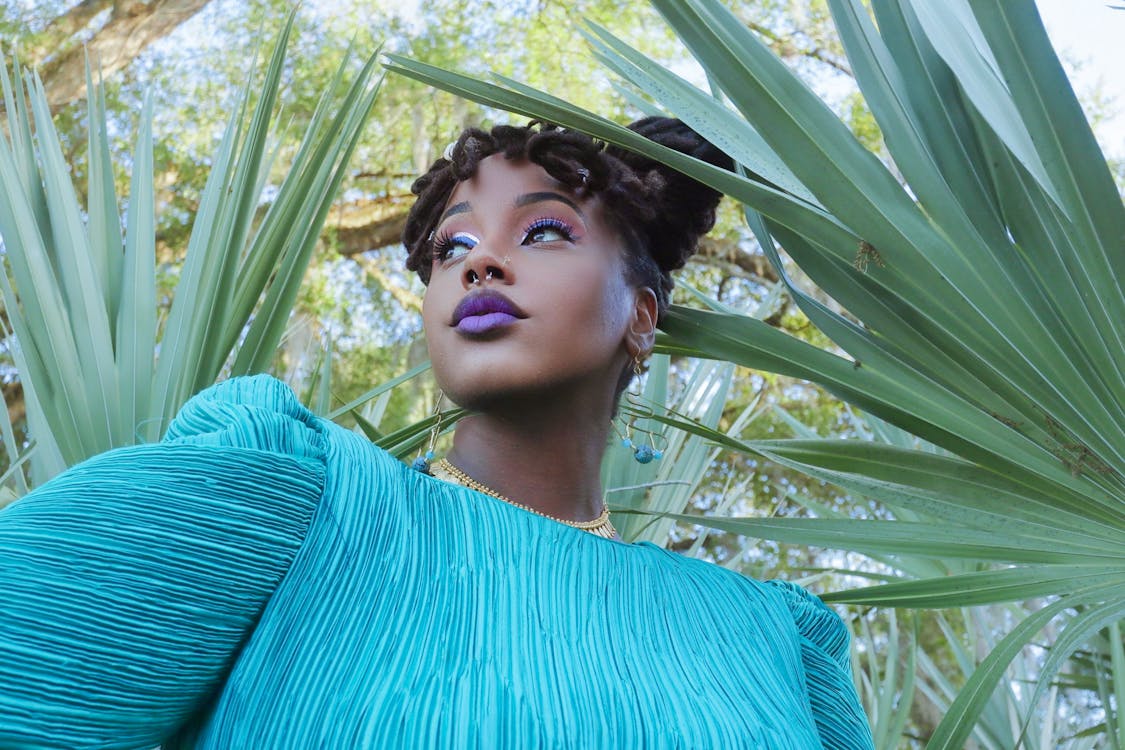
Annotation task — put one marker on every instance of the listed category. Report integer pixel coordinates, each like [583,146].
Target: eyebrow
[456,208]
[528,198]
[524,200]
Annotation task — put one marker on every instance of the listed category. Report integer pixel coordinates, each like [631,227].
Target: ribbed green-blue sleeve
[840,720]
[129,582]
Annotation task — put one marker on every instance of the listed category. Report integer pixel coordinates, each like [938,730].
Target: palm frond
[81,294]
[985,283]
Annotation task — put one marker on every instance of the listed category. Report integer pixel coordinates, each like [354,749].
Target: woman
[264,578]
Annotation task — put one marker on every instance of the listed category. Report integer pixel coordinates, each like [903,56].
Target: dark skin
[558,324]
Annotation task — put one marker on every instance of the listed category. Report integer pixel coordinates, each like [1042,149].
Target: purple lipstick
[485,311]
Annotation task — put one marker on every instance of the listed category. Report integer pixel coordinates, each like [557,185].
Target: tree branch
[370,224]
[13,398]
[365,225]
[754,265]
[407,299]
[783,47]
[57,36]
[132,27]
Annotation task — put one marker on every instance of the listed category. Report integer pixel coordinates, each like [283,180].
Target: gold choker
[600,526]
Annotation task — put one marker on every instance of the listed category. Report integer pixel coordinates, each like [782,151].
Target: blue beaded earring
[643,453]
[422,462]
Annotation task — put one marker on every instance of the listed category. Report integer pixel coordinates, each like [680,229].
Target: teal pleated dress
[265,579]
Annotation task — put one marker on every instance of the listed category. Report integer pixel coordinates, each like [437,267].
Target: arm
[128,583]
[824,639]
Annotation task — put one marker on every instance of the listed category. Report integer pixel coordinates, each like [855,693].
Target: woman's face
[527,294]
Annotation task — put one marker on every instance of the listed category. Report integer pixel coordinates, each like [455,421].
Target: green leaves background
[981,276]
[97,369]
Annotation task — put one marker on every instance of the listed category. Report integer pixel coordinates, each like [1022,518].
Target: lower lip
[485,323]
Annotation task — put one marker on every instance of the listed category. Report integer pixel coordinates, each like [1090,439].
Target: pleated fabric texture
[129,583]
[265,579]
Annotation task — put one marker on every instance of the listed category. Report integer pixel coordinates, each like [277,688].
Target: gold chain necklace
[600,526]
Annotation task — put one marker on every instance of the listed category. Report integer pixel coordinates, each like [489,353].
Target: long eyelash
[549,222]
[441,244]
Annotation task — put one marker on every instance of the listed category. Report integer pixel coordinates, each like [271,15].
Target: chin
[492,396]
[502,378]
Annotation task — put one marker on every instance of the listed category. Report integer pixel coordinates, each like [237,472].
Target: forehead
[499,181]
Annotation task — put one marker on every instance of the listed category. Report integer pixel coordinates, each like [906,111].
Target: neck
[548,459]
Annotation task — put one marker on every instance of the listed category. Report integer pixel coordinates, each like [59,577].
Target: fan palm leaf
[982,277]
[80,283]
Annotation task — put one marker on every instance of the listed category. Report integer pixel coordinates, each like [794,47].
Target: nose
[483,265]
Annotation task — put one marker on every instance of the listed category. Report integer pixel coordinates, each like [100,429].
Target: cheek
[439,298]
[607,299]
[428,313]
[434,314]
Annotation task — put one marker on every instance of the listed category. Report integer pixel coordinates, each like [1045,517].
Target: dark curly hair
[659,213]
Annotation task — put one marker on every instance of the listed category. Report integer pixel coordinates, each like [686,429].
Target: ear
[642,326]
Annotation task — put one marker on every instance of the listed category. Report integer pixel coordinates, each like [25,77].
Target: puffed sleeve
[840,720]
[129,582]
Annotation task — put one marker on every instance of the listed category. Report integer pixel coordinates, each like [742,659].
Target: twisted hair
[659,213]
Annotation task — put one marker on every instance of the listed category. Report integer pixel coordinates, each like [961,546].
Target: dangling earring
[422,462]
[643,452]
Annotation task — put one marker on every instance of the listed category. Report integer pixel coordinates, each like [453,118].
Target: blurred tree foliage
[357,301]
[195,59]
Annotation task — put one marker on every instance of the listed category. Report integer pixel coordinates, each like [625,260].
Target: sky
[1089,35]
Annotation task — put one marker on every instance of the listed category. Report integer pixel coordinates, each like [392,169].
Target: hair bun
[684,209]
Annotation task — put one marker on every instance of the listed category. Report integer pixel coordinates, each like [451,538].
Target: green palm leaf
[986,314]
[82,296]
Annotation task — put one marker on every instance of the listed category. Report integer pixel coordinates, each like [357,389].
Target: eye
[452,246]
[548,230]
